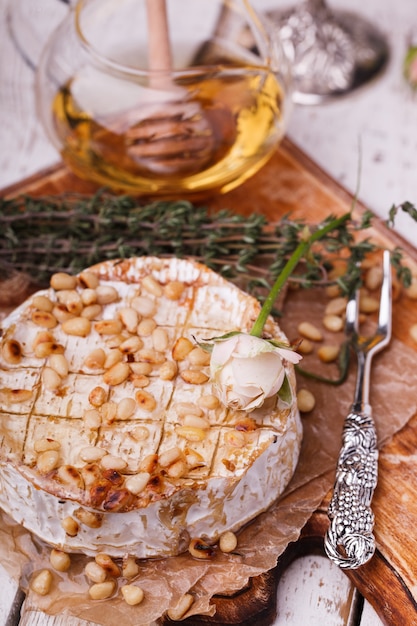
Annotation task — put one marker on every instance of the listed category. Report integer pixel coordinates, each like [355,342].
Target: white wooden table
[382,116]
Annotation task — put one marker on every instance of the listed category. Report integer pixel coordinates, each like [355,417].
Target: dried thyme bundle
[39,236]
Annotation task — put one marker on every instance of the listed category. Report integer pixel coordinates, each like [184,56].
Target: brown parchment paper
[262,542]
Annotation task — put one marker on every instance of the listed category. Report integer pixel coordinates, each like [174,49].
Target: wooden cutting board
[292,183]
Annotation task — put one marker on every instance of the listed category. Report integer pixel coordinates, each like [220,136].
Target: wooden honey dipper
[173,136]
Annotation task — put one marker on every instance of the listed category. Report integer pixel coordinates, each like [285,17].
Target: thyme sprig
[39,236]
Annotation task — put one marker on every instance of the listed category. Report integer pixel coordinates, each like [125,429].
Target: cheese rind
[176,464]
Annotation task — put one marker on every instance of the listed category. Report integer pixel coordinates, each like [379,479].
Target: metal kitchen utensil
[349,541]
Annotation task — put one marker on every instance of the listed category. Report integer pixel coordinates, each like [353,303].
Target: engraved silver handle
[349,541]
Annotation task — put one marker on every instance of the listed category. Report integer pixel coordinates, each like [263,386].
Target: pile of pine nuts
[333,320]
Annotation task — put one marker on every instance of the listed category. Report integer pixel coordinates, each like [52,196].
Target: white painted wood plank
[314,591]
[369,616]
[10,599]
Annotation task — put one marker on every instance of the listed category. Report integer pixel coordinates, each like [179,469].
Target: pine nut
[113,462]
[180,609]
[137,482]
[69,475]
[228,542]
[194,377]
[140,433]
[132,594]
[112,358]
[41,583]
[92,474]
[16,396]
[336,306]
[70,525]
[131,345]
[109,327]
[188,408]
[42,445]
[333,323]
[209,401]
[47,461]
[144,306]
[129,318]
[44,319]
[62,280]
[146,327]
[149,355]
[190,433]
[125,408]
[117,374]
[92,312]
[89,454]
[61,313]
[41,337]
[328,353]
[305,347]
[149,463]
[60,561]
[95,572]
[182,348]
[332,291]
[305,400]
[117,500]
[174,290]
[77,326]
[195,421]
[46,348]
[368,304]
[152,286]
[413,332]
[59,363]
[130,568]
[309,331]
[201,550]
[139,381]
[88,518]
[11,351]
[106,294]
[177,469]
[373,278]
[160,339]
[92,419]
[168,370]
[97,396]
[106,562]
[72,301]
[194,459]
[89,297]
[51,379]
[169,456]
[95,360]
[108,411]
[198,356]
[43,303]
[102,591]
[141,368]
[145,400]
[88,280]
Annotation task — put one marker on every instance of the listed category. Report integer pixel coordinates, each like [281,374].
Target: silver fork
[349,541]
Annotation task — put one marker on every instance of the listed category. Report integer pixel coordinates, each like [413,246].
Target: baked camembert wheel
[111,437]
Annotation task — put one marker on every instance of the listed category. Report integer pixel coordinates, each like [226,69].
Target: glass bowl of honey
[164,98]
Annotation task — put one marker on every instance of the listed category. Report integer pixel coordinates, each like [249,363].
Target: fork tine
[385,308]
